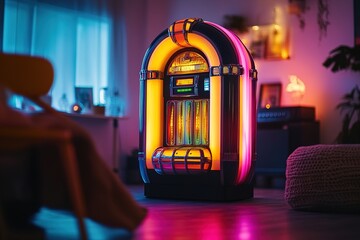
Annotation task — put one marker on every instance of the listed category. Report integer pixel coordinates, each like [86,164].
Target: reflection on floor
[266,216]
[61,225]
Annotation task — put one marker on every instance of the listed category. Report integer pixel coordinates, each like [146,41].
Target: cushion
[324,178]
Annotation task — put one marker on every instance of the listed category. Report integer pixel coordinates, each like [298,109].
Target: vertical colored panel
[180,123]
[170,123]
[214,138]
[154,121]
[197,122]
[204,122]
[188,133]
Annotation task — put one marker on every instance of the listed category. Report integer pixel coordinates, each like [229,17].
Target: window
[77,43]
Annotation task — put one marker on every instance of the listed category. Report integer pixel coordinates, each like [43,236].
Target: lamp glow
[296,87]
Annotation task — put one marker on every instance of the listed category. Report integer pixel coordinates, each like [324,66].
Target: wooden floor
[266,216]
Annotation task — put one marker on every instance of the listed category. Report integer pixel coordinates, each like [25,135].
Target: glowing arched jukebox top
[197,107]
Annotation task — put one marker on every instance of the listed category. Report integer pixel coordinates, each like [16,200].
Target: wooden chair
[32,77]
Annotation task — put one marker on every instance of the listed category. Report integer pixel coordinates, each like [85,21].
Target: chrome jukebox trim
[229,69]
[253,74]
[182,160]
[151,74]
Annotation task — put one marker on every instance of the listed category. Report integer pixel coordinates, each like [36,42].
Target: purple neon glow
[246,146]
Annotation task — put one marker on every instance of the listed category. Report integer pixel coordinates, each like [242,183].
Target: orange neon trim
[179,33]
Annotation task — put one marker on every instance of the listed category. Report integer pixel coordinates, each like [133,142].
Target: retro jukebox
[197,114]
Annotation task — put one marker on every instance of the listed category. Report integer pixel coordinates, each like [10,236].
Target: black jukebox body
[197,114]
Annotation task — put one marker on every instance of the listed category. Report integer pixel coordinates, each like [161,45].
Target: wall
[145,19]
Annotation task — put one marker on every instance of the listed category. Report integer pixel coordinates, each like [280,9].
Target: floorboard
[266,216]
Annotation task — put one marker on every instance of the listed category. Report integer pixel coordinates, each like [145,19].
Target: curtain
[78,37]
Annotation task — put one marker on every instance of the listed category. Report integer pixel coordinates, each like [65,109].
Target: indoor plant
[347,58]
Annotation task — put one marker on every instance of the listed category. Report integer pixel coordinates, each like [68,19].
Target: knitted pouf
[324,178]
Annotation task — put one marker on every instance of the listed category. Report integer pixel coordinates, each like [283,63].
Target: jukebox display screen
[184,86]
[187,100]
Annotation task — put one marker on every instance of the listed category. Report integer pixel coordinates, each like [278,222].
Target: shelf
[92,116]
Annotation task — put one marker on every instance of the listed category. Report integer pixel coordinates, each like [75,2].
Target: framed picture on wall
[270,95]
[84,97]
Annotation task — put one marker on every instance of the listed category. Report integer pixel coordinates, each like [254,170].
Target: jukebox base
[199,192]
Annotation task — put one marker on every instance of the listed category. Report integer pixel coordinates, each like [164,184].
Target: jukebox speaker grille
[181,160]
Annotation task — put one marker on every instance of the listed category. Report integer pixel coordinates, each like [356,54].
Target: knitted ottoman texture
[324,178]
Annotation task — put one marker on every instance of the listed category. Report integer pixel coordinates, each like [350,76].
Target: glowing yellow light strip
[154,99]
[180,123]
[205,122]
[154,117]
[197,123]
[170,123]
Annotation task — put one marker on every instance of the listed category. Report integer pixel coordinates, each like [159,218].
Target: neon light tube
[245,94]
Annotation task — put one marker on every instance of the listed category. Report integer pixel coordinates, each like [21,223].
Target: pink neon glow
[246,148]
[210,223]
